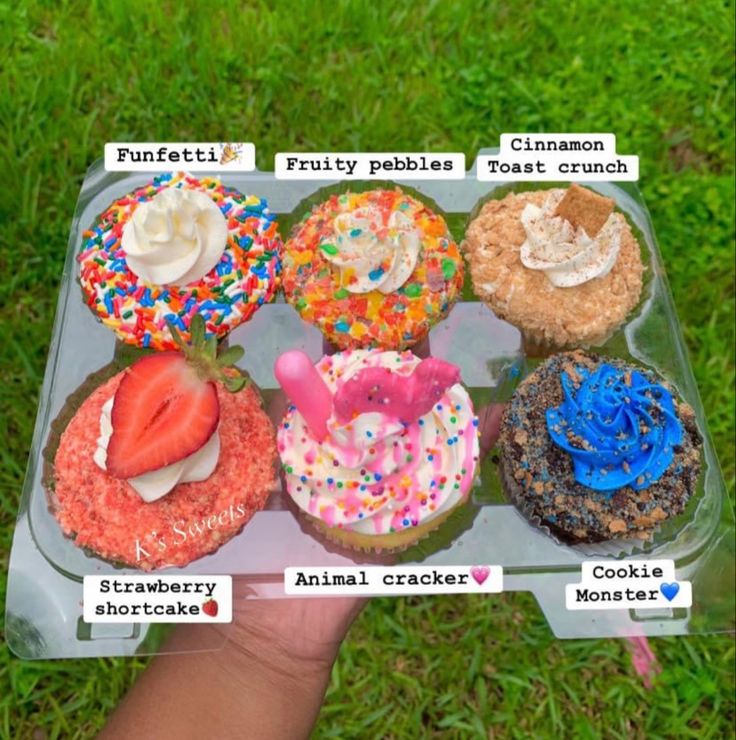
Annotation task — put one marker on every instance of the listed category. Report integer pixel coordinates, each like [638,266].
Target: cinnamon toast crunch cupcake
[595,449]
[164,462]
[560,265]
[372,269]
[381,449]
[176,248]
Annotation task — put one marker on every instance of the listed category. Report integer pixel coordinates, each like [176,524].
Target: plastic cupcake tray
[46,569]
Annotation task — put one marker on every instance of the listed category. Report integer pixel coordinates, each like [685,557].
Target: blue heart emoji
[669,590]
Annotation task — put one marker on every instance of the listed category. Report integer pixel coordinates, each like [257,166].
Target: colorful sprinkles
[246,277]
[351,320]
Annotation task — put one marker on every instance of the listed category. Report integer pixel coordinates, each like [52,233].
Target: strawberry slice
[163,412]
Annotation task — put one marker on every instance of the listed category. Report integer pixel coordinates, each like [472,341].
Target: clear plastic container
[46,569]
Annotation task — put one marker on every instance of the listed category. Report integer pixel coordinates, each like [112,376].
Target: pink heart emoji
[480,573]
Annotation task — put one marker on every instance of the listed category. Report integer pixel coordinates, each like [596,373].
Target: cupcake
[594,449]
[372,269]
[164,462]
[379,447]
[560,265]
[176,248]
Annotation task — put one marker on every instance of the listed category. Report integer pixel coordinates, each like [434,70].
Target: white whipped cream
[175,238]
[375,474]
[566,255]
[371,254]
[153,485]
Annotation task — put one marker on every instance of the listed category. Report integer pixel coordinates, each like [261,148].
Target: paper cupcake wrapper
[434,539]
[538,348]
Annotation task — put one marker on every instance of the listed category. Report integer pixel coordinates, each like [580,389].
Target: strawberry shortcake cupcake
[166,461]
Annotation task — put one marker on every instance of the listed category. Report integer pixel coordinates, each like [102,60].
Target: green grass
[384,76]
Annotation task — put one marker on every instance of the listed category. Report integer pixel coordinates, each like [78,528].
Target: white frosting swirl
[157,483]
[566,255]
[372,253]
[175,238]
[376,474]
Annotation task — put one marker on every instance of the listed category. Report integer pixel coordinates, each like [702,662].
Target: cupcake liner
[536,347]
[448,527]
[424,543]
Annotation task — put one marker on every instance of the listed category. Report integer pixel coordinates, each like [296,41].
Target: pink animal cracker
[406,397]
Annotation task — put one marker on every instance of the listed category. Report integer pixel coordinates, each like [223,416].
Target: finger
[489,423]
[277,405]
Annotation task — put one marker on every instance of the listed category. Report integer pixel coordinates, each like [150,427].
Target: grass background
[384,76]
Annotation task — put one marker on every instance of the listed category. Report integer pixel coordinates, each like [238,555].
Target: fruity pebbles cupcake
[165,461]
[176,248]
[372,269]
[560,265]
[378,447]
[594,449]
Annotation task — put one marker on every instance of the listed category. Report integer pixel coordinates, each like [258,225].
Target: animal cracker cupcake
[594,449]
[372,269]
[165,461]
[378,447]
[560,265]
[176,248]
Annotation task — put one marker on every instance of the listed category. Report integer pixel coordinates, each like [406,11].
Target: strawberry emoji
[166,407]
[210,608]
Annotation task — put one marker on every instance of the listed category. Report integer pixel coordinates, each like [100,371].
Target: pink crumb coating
[106,515]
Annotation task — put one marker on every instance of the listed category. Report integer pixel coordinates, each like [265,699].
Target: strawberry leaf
[235,384]
[197,329]
[210,348]
[175,334]
[230,355]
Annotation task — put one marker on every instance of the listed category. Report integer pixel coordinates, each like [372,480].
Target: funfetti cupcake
[594,449]
[560,265]
[176,248]
[378,447]
[372,269]
[164,462]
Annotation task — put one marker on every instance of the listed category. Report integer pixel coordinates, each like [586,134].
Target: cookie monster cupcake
[560,265]
[176,248]
[372,269]
[595,449]
[378,447]
[163,462]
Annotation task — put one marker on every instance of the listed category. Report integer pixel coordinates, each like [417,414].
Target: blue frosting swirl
[618,427]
